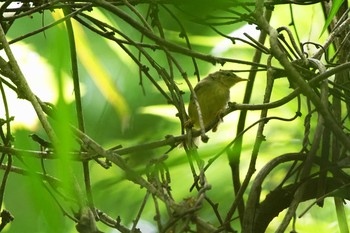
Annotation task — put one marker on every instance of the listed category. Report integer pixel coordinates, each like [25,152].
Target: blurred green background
[119,111]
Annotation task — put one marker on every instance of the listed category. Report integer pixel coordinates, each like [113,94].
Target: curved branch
[294,75]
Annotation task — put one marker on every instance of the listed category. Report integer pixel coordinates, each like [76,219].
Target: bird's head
[226,77]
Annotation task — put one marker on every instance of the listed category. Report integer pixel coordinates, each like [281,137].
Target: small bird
[213,95]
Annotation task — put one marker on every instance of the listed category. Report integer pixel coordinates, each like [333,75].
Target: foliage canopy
[108,83]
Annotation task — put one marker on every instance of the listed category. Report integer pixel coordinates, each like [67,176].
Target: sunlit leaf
[335,7]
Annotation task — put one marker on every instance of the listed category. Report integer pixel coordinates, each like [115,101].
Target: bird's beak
[242,79]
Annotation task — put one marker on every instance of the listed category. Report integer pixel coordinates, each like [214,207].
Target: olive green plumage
[213,95]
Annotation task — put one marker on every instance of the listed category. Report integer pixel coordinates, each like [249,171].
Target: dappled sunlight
[145,123]
[40,77]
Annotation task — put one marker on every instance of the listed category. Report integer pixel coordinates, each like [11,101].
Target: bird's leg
[220,115]
[218,119]
[188,123]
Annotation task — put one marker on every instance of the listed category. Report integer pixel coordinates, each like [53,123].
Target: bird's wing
[202,84]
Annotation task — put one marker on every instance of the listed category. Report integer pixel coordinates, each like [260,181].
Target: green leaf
[335,7]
